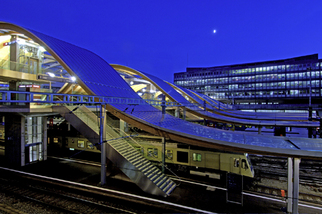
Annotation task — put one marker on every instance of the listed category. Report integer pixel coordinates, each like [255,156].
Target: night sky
[165,37]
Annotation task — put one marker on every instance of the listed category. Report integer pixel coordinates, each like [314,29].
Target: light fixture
[73,79]
[42,49]
[51,74]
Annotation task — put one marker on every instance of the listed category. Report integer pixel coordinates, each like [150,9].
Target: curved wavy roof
[93,73]
[174,95]
[97,77]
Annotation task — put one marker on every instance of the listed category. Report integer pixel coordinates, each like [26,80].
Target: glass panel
[196,157]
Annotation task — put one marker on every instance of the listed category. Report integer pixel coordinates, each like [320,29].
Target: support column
[310,131]
[122,125]
[44,131]
[22,142]
[163,104]
[14,53]
[184,113]
[163,154]
[260,129]
[177,112]
[103,144]
[296,178]
[289,199]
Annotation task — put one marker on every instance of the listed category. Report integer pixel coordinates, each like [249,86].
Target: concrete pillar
[44,131]
[22,141]
[260,129]
[296,181]
[15,139]
[103,144]
[289,199]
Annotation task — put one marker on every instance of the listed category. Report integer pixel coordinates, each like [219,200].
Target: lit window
[196,157]
[90,145]
[169,154]
[81,144]
[236,162]
[153,152]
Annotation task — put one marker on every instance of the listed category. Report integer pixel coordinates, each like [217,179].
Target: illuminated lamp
[51,74]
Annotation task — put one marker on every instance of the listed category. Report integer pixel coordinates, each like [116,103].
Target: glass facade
[280,81]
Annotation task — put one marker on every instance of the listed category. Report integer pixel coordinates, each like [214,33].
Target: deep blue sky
[164,37]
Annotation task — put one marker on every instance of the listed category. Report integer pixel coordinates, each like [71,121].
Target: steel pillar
[103,144]
[163,154]
[163,105]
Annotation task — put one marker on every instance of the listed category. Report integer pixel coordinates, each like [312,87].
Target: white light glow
[73,79]
[42,49]
[214,31]
[131,82]
[50,74]
[21,42]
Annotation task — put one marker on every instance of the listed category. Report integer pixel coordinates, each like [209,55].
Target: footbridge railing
[55,98]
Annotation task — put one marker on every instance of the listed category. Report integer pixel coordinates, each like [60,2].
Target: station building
[295,81]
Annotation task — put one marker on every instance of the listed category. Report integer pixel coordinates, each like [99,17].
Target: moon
[214,31]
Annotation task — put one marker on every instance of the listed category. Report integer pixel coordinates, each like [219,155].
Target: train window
[196,157]
[153,152]
[182,157]
[81,144]
[55,140]
[90,145]
[236,162]
[169,154]
[244,164]
[140,149]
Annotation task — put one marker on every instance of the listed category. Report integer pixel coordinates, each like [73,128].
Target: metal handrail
[130,137]
[56,98]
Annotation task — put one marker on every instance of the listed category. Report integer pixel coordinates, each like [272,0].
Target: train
[179,158]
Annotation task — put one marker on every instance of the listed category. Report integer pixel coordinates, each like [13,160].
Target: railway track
[271,177]
[55,198]
[60,196]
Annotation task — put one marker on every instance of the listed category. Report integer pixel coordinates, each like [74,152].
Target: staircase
[130,161]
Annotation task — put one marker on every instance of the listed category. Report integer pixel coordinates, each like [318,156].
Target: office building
[288,81]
